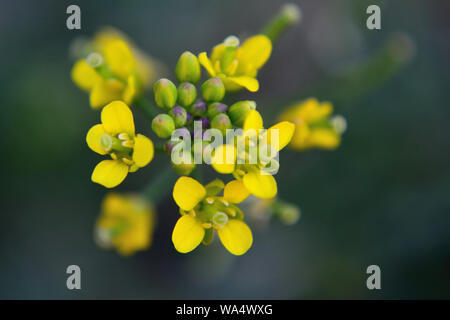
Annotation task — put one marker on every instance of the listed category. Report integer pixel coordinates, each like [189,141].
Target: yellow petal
[131,90]
[285,132]
[110,173]
[117,118]
[105,91]
[324,138]
[255,51]
[235,191]
[251,84]
[223,159]
[114,205]
[236,237]
[260,185]
[206,63]
[84,75]
[253,121]
[93,138]
[187,234]
[143,150]
[119,58]
[187,192]
[217,52]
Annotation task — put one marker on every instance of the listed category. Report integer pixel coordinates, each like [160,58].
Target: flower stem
[146,107]
[160,185]
[288,15]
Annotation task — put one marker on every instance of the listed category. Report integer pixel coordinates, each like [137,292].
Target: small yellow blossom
[251,177]
[204,211]
[126,223]
[115,70]
[314,128]
[236,65]
[115,137]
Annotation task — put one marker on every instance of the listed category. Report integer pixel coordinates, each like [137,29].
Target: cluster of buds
[186,104]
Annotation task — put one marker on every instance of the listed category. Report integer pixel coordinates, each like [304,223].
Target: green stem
[161,185]
[146,107]
[288,15]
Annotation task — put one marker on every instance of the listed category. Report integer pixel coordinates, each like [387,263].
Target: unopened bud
[221,122]
[238,111]
[187,93]
[179,116]
[163,125]
[205,122]
[165,93]
[213,90]
[198,108]
[188,68]
[289,214]
[183,163]
[188,118]
[216,108]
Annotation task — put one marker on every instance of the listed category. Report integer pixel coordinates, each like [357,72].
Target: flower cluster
[112,68]
[314,126]
[115,73]
[126,223]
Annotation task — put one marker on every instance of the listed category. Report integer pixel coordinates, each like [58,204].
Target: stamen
[114,156]
[225,202]
[128,161]
[128,143]
[209,200]
[207,225]
[123,136]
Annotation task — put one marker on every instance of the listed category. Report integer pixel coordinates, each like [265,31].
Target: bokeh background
[381,198]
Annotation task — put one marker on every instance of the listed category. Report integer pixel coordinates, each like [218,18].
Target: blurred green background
[382,198]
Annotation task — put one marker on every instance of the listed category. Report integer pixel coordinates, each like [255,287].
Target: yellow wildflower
[147,66]
[236,65]
[255,178]
[126,223]
[204,211]
[115,137]
[114,70]
[314,128]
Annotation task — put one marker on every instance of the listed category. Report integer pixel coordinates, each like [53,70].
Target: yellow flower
[238,66]
[115,137]
[147,66]
[115,70]
[126,223]
[255,178]
[204,211]
[313,126]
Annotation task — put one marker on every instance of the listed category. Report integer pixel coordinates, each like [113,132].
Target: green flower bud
[188,68]
[183,163]
[187,93]
[163,125]
[179,115]
[221,122]
[165,93]
[216,108]
[198,108]
[213,90]
[238,111]
[288,213]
